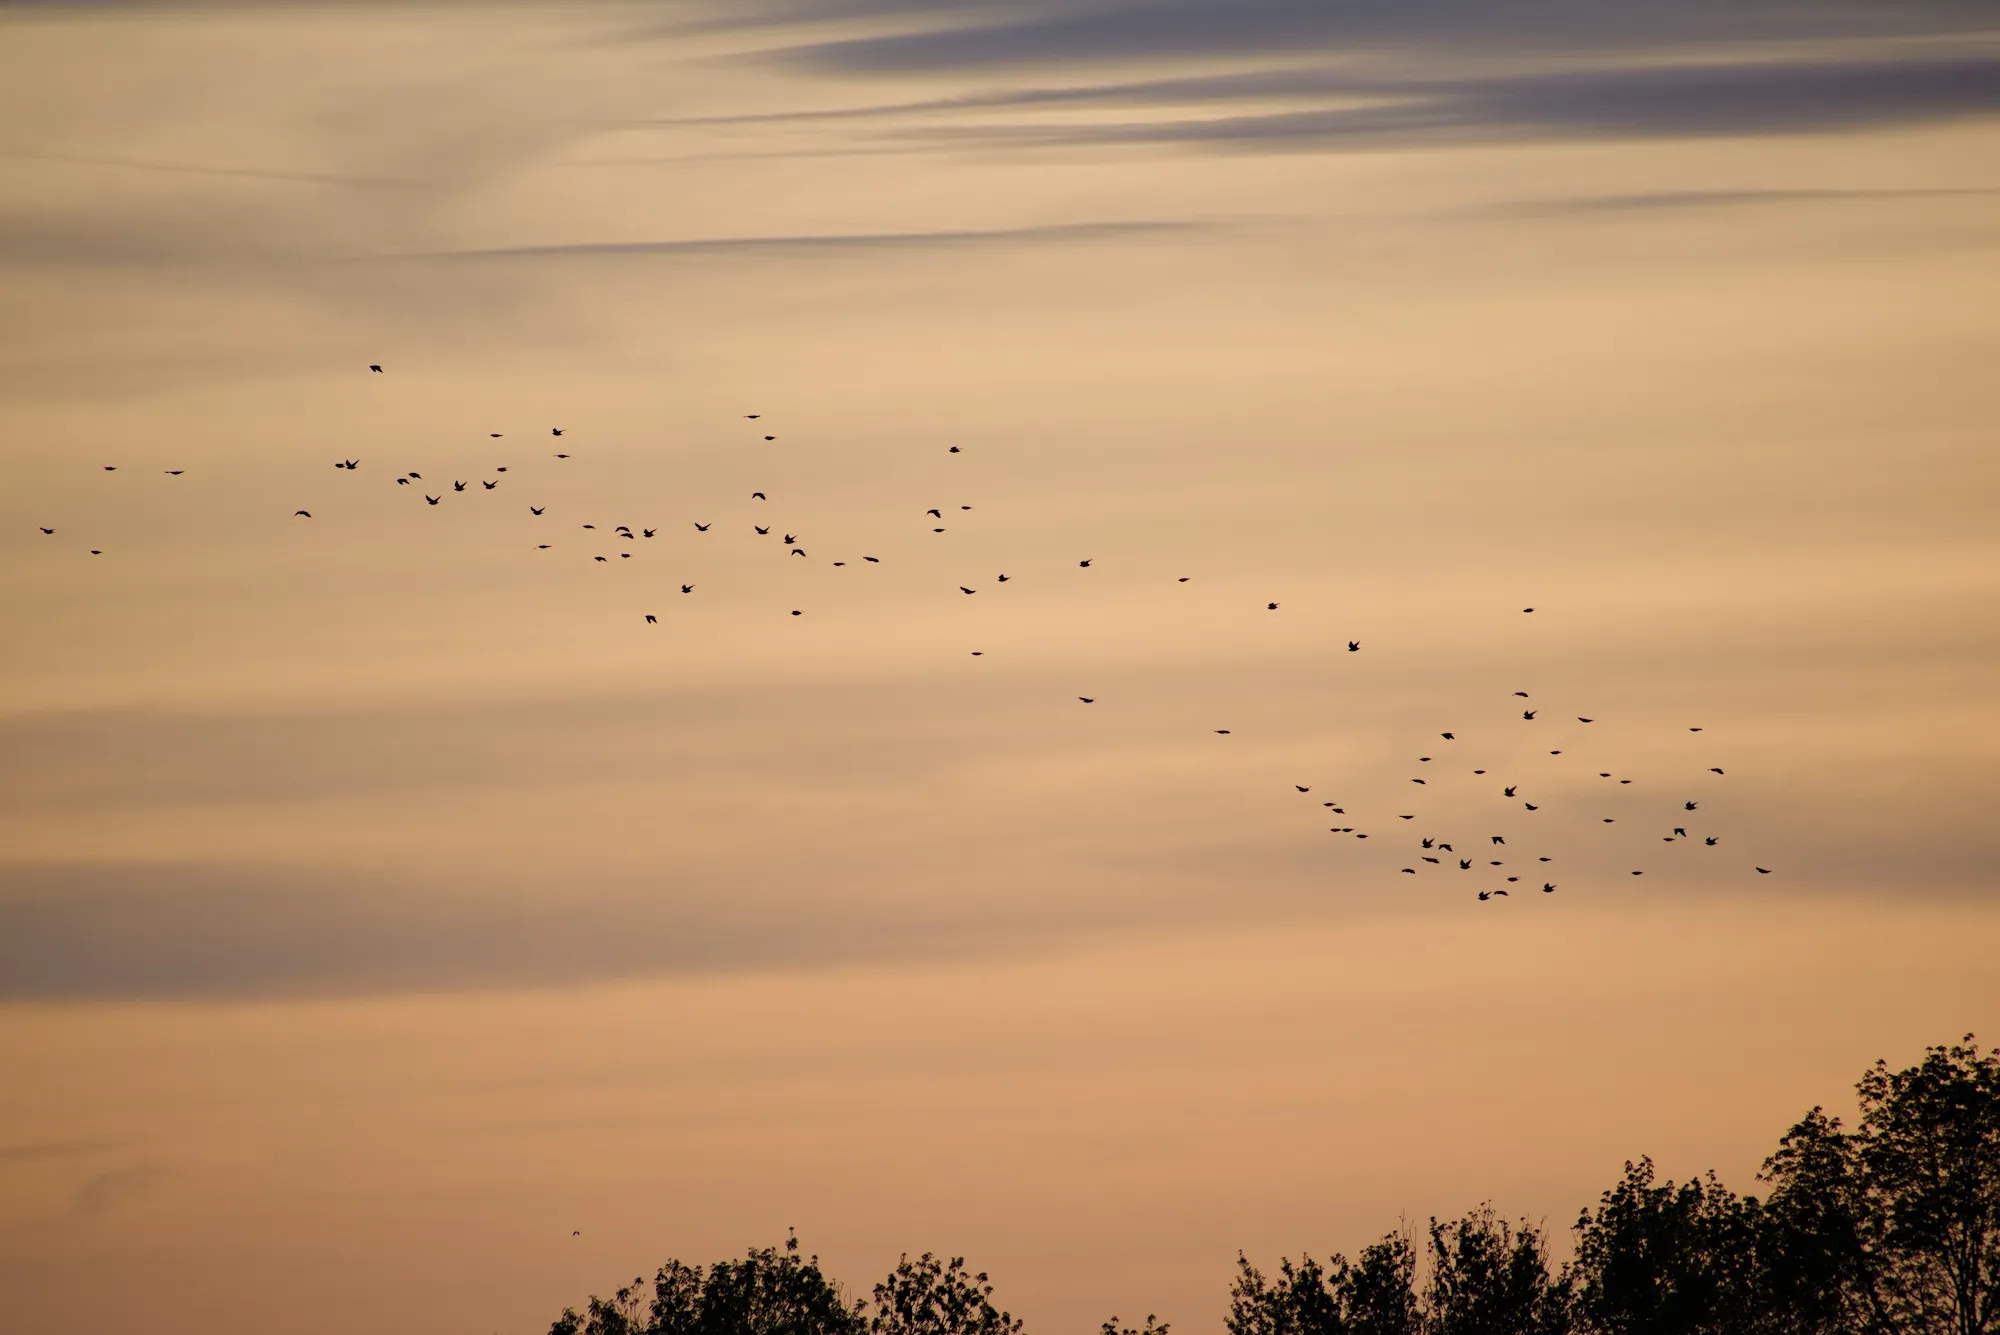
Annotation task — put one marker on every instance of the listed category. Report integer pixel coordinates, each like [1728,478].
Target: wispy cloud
[821,241]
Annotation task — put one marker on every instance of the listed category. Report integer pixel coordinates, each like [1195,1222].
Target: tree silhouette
[1892,1228]
[928,1296]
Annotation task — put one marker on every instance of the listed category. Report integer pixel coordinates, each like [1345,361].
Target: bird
[761,528]
[774,438]
[1222,732]
[978,653]
[1182,580]
[651,619]
[934,514]
[873,560]
[562,456]
[536,509]
[1082,564]
[1088,699]
[1484,896]
[798,551]
[555,431]
[600,558]
[1419,781]
[1302,787]
[1409,871]
[1002,579]
[647,532]
[1531,806]
[963,589]
[590,526]
[458,486]
[1713,770]
[1527,713]
[1508,791]
[953,450]
[1764,871]
[433,500]
[1465,864]
[175,472]
[96,552]
[376,369]
[1694,729]
[1689,806]
[1430,860]
[46,530]
[758,496]
[790,539]
[541,546]
[1448,737]
[1270,607]
[1586,720]
[1638,873]
[489,485]
[751,417]
[1548,887]
[1681,831]
[1527,609]
[1428,843]
[1709,840]
[111,468]
[494,434]
[1522,694]
[418,476]
[1498,839]
[703,528]
[937,530]
[302,514]
[1500,892]
[1354,646]
[687,588]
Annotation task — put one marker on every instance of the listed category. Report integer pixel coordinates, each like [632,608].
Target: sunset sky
[382,900]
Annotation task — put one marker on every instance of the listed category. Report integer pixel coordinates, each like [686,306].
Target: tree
[766,1293]
[1487,1278]
[1929,1145]
[1378,1293]
[1666,1260]
[1304,1300]
[928,1296]
[1153,1326]
[1817,1260]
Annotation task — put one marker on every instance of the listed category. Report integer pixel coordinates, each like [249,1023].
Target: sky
[397,932]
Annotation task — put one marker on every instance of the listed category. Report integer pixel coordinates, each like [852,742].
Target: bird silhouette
[1082,564]
[1222,732]
[790,539]
[1354,646]
[647,532]
[687,588]
[1681,831]
[703,528]
[1586,720]
[1507,792]
[1427,843]
[873,560]
[798,551]
[751,417]
[1527,713]
[376,369]
[934,514]
[600,558]
[963,589]
[1001,579]
[1709,840]
[1088,699]
[555,431]
[1498,839]
[175,472]
[489,485]
[433,500]
[1531,806]
[1409,871]
[953,450]
[1713,770]
[1484,896]
[1764,871]
[47,530]
[758,496]
[774,438]
[760,528]
[562,456]
[536,509]
[1689,806]
[302,514]
[1270,607]
[458,486]
[1302,787]
[651,620]
[1465,864]
[1548,887]
[1448,737]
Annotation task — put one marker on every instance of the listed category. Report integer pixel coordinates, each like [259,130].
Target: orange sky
[381,899]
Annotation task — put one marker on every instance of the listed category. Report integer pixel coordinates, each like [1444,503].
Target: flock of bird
[1489,854]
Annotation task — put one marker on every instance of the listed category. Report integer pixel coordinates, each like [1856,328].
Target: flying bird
[111,468]
[703,528]
[652,620]
[963,589]
[1527,713]
[1354,646]
[1689,806]
[489,485]
[873,560]
[1448,737]
[1082,564]
[751,417]
[562,456]
[647,532]
[1522,694]
[1002,579]
[1465,864]
[1270,607]
[1713,770]
[1764,871]
[1531,806]
[790,539]
[774,438]
[494,434]
[761,528]
[458,486]
[758,496]
[302,514]
[934,514]
[1508,791]
[1302,787]
[1088,699]
[536,509]
[555,431]
[1681,831]
[600,558]
[433,500]
[1586,720]
[1548,887]
[1222,732]
[954,449]
[687,588]
[175,472]
[1498,839]
[46,530]
[376,369]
